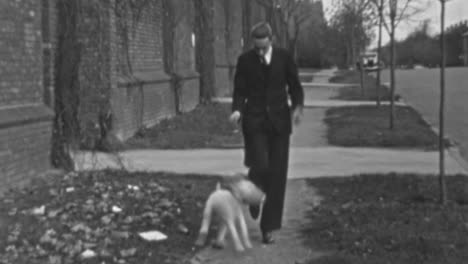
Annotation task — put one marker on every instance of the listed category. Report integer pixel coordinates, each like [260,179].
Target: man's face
[261,45]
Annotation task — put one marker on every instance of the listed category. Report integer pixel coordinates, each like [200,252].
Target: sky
[456,11]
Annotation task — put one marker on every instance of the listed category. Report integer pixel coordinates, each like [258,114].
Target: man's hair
[261,30]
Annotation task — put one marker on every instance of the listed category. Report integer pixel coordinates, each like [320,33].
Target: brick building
[25,116]
[131,55]
[121,75]
[103,65]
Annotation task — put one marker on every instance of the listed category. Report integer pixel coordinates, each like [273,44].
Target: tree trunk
[66,128]
[348,56]
[379,53]
[392,74]
[362,76]
[246,24]
[169,25]
[443,194]
[205,59]
[294,40]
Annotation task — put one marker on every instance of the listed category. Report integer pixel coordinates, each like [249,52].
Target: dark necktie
[262,60]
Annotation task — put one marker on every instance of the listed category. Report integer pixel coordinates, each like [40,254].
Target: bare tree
[380,6]
[393,13]
[172,20]
[287,18]
[354,19]
[442,185]
[303,12]
[205,60]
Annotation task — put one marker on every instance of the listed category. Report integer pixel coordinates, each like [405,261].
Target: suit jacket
[258,96]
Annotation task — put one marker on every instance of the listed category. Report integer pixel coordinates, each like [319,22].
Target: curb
[228,146]
[453,150]
[456,155]
[327,85]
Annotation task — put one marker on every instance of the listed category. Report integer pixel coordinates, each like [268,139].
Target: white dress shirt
[268,55]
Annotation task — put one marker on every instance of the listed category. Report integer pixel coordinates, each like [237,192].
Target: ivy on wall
[82,78]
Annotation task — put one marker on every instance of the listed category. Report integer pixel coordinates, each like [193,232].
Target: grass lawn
[306,78]
[305,74]
[355,92]
[347,76]
[82,218]
[368,126]
[204,127]
[380,219]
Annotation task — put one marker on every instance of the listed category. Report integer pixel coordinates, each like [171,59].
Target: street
[420,88]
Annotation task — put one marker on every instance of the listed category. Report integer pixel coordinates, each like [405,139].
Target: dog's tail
[218,186]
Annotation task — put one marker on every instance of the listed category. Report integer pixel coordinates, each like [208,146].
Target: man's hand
[235,117]
[297,115]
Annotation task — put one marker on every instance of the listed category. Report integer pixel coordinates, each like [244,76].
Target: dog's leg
[201,240]
[244,230]
[235,236]
[219,243]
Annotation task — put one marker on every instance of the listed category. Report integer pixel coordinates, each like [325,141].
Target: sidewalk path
[304,162]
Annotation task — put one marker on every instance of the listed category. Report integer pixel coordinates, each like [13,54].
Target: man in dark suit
[266,77]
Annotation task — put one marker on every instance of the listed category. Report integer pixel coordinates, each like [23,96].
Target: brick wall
[25,122]
[179,50]
[49,49]
[21,46]
[93,40]
[142,95]
[228,39]
[121,69]
[26,151]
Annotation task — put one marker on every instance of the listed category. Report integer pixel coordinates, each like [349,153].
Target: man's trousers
[267,154]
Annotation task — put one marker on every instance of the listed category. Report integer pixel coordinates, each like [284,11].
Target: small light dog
[226,205]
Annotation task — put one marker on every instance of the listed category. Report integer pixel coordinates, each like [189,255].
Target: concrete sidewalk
[304,162]
[323,103]
[324,84]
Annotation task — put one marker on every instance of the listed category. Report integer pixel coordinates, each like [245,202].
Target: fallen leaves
[93,222]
